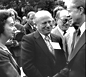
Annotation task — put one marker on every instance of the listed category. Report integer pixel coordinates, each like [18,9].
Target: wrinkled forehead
[45,19]
[43,16]
[63,14]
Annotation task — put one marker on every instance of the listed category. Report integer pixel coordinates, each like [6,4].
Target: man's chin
[47,33]
[12,37]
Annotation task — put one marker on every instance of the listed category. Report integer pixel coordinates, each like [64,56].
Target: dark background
[24,6]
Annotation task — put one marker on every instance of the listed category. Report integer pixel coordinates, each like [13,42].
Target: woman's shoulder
[3,52]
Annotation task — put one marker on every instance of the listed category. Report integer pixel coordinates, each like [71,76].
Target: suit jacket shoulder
[56,38]
[7,69]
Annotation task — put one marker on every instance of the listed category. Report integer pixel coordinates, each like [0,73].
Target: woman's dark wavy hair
[3,18]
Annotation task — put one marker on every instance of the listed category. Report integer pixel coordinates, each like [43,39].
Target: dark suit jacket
[37,61]
[7,66]
[77,58]
[28,28]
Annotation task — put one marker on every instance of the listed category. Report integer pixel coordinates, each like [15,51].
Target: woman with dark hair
[8,66]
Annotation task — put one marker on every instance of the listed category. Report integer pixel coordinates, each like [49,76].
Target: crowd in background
[29,32]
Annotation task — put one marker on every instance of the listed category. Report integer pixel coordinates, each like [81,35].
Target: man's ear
[81,10]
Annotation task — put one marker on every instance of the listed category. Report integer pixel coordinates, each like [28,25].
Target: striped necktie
[47,40]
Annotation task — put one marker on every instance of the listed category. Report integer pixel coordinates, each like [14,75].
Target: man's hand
[62,73]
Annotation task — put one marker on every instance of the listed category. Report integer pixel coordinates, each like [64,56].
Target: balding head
[44,22]
[62,13]
[56,9]
[42,16]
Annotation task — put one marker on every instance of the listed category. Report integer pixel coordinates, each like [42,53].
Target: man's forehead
[64,13]
[42,16]
[45,19]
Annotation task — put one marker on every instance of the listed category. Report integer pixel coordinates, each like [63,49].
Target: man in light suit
[76,60]
[37,59]
[63,25]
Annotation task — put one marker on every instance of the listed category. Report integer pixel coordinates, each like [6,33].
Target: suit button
[70,70]
[67,62]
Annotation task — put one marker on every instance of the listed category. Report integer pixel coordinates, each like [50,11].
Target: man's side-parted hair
[3,17]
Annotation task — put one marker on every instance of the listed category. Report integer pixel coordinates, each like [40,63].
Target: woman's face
[9,28]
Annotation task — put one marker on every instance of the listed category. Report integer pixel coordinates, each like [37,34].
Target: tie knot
[78,32]
[64,32]
[47,38]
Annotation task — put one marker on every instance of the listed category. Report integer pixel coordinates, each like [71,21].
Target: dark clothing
[37,61]
[8,67]
[76,60]
[29,28]
[15,47]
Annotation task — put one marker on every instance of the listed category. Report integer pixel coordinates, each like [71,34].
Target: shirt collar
[60,30]
[43,36]
[83,28]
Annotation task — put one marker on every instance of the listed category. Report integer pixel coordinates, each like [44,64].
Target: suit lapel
[43,45]
[80,43]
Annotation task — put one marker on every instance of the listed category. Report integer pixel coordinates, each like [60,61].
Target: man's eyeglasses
[66,20]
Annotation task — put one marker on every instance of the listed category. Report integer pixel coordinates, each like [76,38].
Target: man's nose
[48,24]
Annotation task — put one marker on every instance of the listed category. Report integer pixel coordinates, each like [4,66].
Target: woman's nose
[14,29]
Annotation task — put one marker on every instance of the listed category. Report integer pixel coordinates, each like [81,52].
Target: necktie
[76,36]
[66,47]
[64,32]
[47,40]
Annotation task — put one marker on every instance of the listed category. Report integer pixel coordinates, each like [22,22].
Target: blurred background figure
[13,12]
[63,24]
[30,25]
[8,65]
[24,20]
[56,9]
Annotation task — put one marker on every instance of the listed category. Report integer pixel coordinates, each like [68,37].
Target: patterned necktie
[64,32]
[47,40]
